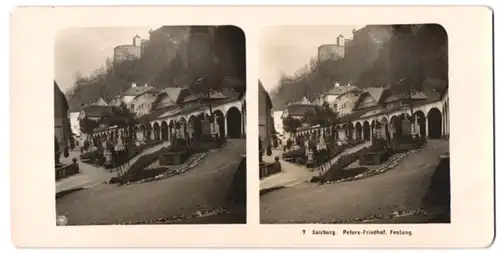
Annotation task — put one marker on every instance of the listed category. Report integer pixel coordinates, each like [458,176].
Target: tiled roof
[230,82]
[341,90]
[432,94]
[97,111]
[353,116]
[415,96]
[153,115]
[213,95]
[375,92]
[138,90]
[300,109]
[173,92]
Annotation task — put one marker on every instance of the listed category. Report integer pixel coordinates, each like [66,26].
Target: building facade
[265,118]
[345,102]
[142,104]
[126,53]
[278,121]
[332,51]
[331,95]
[379,114]
[62,126]
[75,123]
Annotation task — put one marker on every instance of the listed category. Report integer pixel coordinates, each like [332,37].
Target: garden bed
[267,169]
[390,164]
[206,143]
[297,156]
[66,171]
[348,173]
[174,157]
[375,158]
[96,157]
[141,176]
[341,163]
[405,144]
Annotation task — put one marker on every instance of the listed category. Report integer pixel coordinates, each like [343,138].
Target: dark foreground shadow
[237,193]
[269,190]
[237,215]
[438,195]
[66,192]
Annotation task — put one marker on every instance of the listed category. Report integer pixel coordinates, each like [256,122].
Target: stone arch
[359,130]
[434,123]
[350,131]
[395,123]
[233,118]
[149,130]
[243,117]
[194,123]
[156,131]
[220,121]
[142,129]
[366,131]
[385,127]
[232,105]
[133,132]
[183,127]
[446,117]
[164,130]
[421,123]
[171,129]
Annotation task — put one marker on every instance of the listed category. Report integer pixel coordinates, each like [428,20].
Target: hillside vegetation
[173,57]
[407,58]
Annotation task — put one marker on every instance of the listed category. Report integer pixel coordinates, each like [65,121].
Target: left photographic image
[149,125]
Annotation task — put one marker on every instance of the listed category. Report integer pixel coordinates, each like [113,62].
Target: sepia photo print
[354,124]
[150,125]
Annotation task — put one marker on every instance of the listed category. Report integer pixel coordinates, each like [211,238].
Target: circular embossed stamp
[61,220]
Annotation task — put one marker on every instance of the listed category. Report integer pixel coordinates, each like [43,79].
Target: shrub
[344,174]
[378,145]
[136,170]
[315,179]
[404,144]
[341,163]
[295,153]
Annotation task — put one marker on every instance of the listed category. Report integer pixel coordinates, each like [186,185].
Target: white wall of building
[74,122]
[345,104]
[278,122]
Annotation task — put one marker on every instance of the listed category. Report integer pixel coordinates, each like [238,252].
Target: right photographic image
[354,124]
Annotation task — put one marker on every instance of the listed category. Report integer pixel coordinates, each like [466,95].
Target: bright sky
[286,49]
[86,49]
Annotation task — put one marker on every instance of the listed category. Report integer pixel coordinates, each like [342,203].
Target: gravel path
[203,188]
[400,189]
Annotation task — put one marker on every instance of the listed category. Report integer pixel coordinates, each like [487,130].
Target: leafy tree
[291,124]
[330,115]
[88,126]
[415,54]
[401,55]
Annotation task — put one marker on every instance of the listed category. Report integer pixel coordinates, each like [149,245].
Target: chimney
[145,85]
[133,84]
[337,84]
